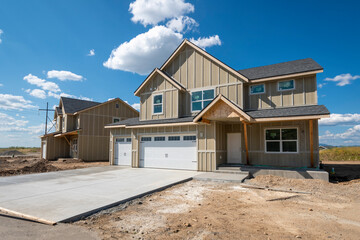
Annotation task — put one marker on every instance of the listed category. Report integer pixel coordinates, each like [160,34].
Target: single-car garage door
[122,151]
[171,151]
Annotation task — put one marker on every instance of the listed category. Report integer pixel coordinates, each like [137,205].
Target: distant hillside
[24,150]
[340,154]
[326,145]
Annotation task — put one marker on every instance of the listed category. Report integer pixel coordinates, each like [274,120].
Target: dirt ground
[215,210]
[26,165]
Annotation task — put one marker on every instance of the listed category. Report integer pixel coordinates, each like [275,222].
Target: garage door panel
[122,152]
[168,154]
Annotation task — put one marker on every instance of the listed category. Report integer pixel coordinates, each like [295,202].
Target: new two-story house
[198,113]
[80,131]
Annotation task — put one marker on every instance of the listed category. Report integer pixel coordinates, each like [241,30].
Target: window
[200,99]
[77,122]
[115,120]
[257,89]
[174,138]
[281,140]
[63,123]
[128,139]
[145,139]
[116,105]
[286,85]
[158,104]
[189,138]
[120,140]
[158,139]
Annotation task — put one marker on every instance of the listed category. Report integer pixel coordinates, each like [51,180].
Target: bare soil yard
[213,210]
[26,165]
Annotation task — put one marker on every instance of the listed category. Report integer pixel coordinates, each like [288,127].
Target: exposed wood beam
[204,120]
[67,140]
[246,143]
[311,127]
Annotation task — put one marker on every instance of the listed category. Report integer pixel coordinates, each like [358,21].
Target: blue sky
[45,51]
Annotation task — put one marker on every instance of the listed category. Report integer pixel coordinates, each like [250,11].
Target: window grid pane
[286,85]
[281,140]
[257,89]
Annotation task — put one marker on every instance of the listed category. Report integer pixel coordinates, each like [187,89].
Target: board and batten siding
[305,93]
[197,72]
[55,147]
[93,139]
[205,142]
[158,85]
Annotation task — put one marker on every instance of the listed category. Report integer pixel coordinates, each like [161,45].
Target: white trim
[281,141]
[202,100]
[116,118]
[286,89]
[257,85]
[162,104]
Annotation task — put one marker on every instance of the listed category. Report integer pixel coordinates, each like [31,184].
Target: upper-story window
[200,99]
[63,123]
[158,104]
[77,122]
[286,85]
[116,120]
[257,89]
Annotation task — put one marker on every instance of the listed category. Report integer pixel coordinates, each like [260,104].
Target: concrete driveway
[65,195]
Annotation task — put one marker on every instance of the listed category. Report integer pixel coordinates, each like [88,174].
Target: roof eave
[287,76]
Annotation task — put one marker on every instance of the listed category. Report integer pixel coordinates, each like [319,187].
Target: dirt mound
[37,167]
[11,153]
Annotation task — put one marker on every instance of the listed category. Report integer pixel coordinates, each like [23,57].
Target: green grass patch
[24,150]
[340,154]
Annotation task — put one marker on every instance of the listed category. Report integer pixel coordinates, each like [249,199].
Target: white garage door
[122,151]
[173,151]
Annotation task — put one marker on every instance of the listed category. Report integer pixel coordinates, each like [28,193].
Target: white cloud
[151,12]
[1,84]
[343,79]
[1,32]
[8,121]
[340,119]
[45,85]
[12,102]
[205,42]
[144,52]
[38,93]
[64,75]
[136,106]
[182,24]
[321,85]
[91,53]
[351,134]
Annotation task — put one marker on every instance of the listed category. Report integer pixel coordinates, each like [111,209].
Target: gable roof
[282,69]
[165,76]
[230,103]
[72,105]
[202,51]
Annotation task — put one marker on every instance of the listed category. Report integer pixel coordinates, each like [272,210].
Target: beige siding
[93,142]
[305,93]
[195,71]
[55,147]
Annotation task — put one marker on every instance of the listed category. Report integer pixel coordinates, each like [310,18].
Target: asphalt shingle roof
[136,121]
[72,105]
[289,111]
[279,69]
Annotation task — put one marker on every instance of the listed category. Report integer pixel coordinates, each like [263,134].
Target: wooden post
[246,143]
[311,129]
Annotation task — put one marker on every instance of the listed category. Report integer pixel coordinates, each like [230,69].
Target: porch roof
[74,132]
[221,108]
[310,110]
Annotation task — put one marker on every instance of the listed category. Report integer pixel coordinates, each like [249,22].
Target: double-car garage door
[168,151]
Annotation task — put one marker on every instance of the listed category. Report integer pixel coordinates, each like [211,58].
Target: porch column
[311,130]
[246,143]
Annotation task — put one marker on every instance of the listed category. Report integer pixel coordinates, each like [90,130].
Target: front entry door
[234,148]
